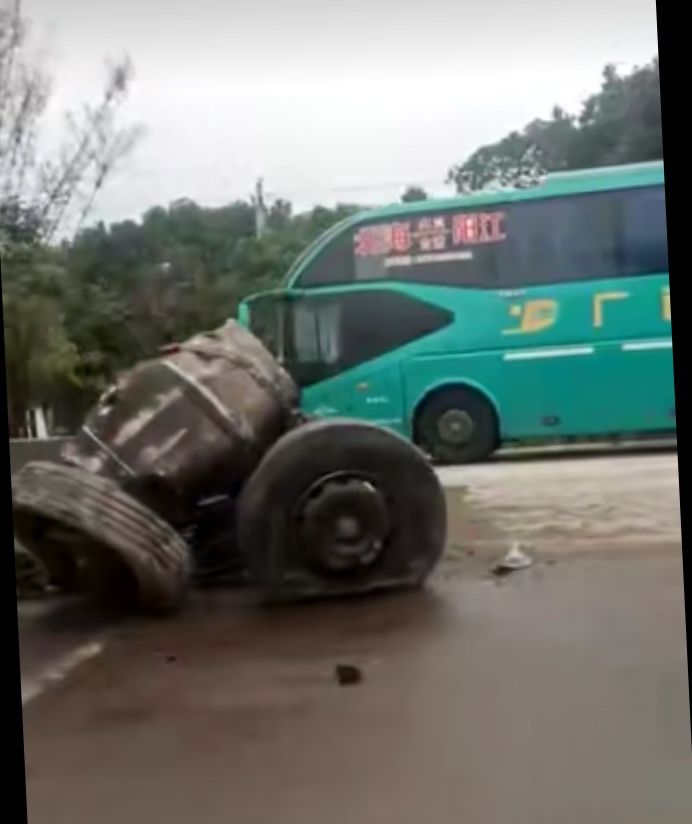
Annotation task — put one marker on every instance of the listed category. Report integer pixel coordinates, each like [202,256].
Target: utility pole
[260,208]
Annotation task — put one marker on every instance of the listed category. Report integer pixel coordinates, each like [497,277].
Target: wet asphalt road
[556,695]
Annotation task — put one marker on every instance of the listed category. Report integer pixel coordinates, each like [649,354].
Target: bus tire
[340,506]
[457,426]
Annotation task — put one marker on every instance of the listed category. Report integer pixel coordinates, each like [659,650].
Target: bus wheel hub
[343,524]
[455,427]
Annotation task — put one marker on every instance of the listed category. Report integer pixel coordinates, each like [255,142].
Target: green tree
[40,194]
[39,355]
[621,123]
[413,193]
[180,269]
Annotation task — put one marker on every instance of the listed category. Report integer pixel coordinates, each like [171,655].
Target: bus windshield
[304,336]
[265,318]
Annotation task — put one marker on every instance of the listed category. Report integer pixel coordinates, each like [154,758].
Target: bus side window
[377,322]
[644,241]
[559,240]
[332,334]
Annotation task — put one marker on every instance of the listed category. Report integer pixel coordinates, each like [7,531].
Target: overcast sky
[327,100]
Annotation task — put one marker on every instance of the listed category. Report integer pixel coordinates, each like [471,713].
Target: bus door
[335,350]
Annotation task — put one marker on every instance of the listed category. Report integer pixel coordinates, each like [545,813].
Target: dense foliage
[621,123]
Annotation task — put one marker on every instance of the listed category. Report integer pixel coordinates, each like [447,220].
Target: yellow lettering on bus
[665,303]
[600,299]
[535,316]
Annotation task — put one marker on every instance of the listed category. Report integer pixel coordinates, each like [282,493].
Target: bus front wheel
[457,426]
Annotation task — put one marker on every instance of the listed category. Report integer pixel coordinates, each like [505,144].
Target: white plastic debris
[514,560]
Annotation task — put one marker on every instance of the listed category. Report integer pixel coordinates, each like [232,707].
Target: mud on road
[565,507]
[556,695]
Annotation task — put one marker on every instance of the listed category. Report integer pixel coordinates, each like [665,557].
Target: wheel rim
[455,427]
[342,523]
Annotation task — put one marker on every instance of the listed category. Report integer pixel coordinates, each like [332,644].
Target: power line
[318,189]
[324,190]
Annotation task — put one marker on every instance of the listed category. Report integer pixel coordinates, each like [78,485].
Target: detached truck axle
[198,462]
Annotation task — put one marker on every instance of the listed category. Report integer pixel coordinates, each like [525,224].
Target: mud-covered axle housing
[197,465]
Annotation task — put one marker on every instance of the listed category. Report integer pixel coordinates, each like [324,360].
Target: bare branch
[96,144]
[66,182]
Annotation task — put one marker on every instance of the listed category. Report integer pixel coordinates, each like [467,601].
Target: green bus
[469,322]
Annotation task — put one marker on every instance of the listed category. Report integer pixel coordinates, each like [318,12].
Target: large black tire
[309,480]
[457,426]
[84,525]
